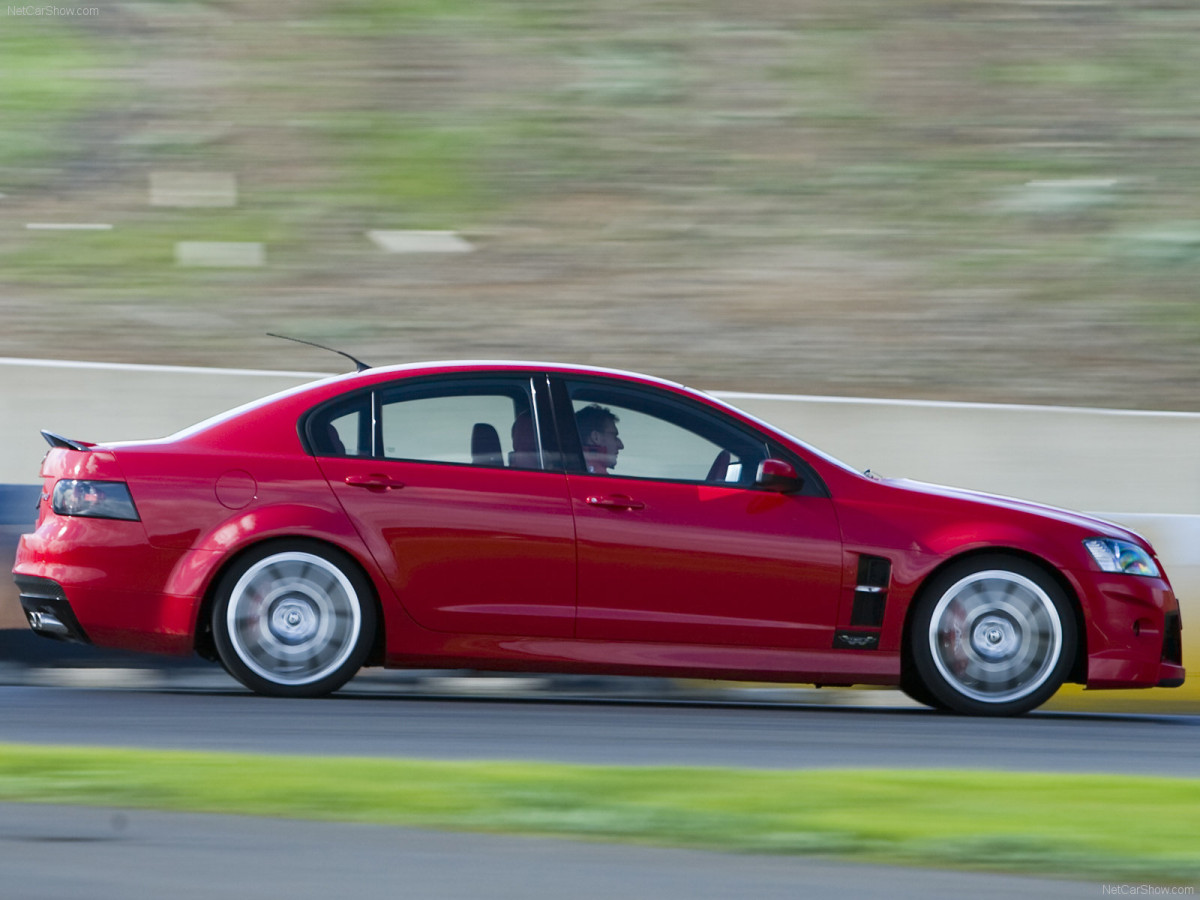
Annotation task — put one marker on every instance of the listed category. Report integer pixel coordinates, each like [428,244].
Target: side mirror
[779,476]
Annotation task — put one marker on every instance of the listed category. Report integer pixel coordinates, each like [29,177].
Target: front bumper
[1134,633]
[1170,670]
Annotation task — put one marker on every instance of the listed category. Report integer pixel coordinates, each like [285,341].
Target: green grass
[139,255]
[369,17]
[50,77]
[400,172]
[927,156]
[1102,828]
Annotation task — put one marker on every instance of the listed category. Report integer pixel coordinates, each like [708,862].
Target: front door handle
[374,482]
[616,501]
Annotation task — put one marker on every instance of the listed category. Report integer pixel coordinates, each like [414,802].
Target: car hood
[1091,524]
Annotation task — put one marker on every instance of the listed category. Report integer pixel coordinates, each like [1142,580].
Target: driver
[598,433]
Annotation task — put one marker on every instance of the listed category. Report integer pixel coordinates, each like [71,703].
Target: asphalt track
[54,853]
[72,853]
[776,736]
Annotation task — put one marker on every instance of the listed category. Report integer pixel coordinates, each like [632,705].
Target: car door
[675,542]
[452,488]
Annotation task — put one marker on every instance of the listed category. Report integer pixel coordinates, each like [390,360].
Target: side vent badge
[855,640]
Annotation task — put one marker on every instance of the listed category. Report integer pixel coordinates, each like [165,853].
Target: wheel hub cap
[294,621]
[995,638]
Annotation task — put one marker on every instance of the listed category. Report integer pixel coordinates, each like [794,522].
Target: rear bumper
[109,594]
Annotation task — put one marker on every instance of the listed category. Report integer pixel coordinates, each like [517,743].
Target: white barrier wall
[113,402]
[1094,459]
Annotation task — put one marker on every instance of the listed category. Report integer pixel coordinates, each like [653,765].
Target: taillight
[95,499]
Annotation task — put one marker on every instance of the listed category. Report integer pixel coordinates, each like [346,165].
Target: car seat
[525,447]
[485,446]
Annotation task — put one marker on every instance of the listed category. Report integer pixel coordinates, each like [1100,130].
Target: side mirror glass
[778,475]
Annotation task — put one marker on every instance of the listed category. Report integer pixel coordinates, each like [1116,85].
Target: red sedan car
[533,517]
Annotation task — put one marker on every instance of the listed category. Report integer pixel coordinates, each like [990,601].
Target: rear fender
[197,568]
[199,571]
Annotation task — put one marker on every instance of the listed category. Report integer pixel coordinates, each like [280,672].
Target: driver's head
[598,433]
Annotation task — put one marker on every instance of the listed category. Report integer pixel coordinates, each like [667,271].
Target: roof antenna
[359,365]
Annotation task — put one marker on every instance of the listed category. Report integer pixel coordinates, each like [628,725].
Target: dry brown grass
[967,200]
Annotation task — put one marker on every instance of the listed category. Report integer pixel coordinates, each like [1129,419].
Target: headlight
[1112,555]
[97,499]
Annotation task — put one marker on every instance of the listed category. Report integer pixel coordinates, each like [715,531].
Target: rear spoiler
[57,440]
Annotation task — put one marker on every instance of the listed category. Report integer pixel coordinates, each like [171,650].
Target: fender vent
[870,594]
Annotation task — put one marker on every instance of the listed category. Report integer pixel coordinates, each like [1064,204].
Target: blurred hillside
[962,199]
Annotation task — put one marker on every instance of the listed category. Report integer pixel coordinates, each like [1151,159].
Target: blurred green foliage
[45,73]
[818,164]
[1065,824]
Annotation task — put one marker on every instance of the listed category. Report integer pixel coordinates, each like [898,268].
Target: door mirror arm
[779,476]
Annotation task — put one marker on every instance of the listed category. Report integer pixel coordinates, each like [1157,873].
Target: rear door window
[478,422]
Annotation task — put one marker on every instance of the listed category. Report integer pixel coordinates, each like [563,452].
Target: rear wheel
[294,619]
[993,635]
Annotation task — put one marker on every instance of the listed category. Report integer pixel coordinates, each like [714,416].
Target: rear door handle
[616,501]
[374,482]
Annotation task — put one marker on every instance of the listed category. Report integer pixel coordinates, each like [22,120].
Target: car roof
[492,365]
[323,389]
[327,388]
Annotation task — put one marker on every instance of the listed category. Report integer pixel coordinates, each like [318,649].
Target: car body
[454,515]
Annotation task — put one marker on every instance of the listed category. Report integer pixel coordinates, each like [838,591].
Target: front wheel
[293,619]
[992,636]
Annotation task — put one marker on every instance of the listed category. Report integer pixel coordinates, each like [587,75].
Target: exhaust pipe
[47,623]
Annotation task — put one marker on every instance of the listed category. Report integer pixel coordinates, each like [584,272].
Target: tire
[915,689]
[294,619]
[991,636]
